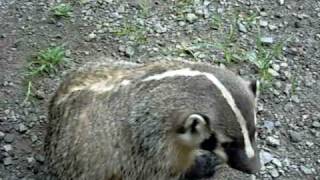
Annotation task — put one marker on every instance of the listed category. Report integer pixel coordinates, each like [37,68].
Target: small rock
[7,147]
[9,138]
[316,124]
[273,141]
[306,170]
[22,128]
[277,162]
[1,135]
[295,136]
[281,2]
[92,36]
[274,173]
[267,40]
[265,157]
[273,72]
[263,23]
[34,138]
[39,158]
[295,99]
[272,27]
[68,53]
[242,28]
[7,161]
[276,67]
[191,17]
[268,124]
[129,51]
[288,107]
[30,160]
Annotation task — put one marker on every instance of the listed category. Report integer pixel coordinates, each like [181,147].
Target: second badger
[111,121]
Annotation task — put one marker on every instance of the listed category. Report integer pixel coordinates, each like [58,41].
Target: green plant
[136,32]
[28,93]
[216,22]
[145,6]
[62,10]
[47,61]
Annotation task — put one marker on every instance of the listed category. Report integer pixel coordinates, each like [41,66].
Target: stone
[277,162]
[265,157]
[306,170]
[263,23]
[242,28]
[22,128]
[9,138]
[7,147]
[295,136]
[191,17]
[267,40]
[7,161]
[273,72]
[316,124]
[281,2]
[273,141]
[274,173]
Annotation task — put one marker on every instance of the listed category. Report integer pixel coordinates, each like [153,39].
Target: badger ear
[194,130]
[254,86]
[195,123]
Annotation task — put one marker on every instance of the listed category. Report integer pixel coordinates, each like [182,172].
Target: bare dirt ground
[220,32]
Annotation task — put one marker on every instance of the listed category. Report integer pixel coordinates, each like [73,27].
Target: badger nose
[240,161]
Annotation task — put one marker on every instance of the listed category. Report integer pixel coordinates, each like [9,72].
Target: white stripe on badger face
[225,93]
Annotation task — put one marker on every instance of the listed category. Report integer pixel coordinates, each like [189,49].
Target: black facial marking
[253,87]
[209,144]
[194,125]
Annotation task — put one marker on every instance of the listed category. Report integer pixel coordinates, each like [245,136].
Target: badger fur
[115,121]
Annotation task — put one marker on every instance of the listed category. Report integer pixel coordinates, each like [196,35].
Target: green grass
[28,93]
[62,10]
[145,6]
[135,31]
[216,22]
[47,61]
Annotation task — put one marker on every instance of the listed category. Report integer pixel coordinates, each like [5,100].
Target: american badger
[120,121]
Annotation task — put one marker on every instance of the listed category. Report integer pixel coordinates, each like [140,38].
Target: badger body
[125,121]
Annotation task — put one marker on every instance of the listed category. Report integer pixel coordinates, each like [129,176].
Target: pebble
[316,124]
[22,128]
[39,158]
[276,67]
[274,173]
[9,138]
[267,40]
[306,170]
[273,141]
[281,2]
[268,124]
[129,51]
[272,27]
[7,161]
[273,72]
[277,162]
[295,136]
[263,23]
[265,157]
[242,28]
[7,147]
[1,135]
[92,36]
[191,17]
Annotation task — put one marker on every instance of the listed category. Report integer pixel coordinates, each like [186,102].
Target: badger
[127,121]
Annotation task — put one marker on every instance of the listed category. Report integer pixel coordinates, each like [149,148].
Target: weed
[62,10]
[28,93]
[134,31]
[47,61]
[145,6]
[216,22]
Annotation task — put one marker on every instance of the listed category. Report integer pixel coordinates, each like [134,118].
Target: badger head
[216,112]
